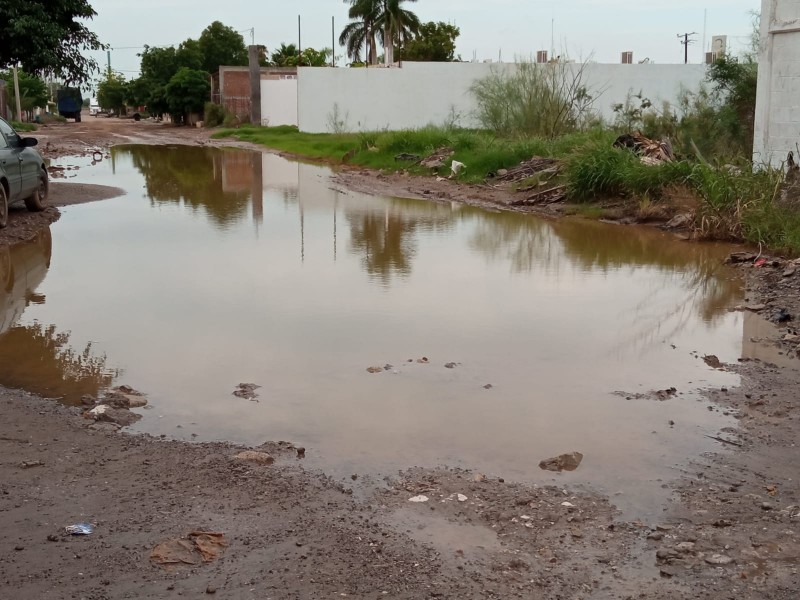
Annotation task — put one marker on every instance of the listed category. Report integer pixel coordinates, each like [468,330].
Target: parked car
[94,110]
[23,175]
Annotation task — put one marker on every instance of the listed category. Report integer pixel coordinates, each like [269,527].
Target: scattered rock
[29,464]
[87,400]
[789,272]
[741,257]
[563,462]
[420,498]
[755,307]
[461,497]
[211,590]
[301,452]
[375,369]
[719,559]
[246,391]
[666,554]
[120,416]
[423,360]
[488,386]
[479,477]
[450,365]
[678,221]
[261,458]
[712,361]
[655,535]
[198,546]
[684,547]
[665,394]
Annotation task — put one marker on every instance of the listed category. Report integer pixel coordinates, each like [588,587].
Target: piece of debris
[649,151]
[261,458]
[119,416]
[712,361]
[450,365]
[679,221]
[198,546]
[437,159]
[374,369]
[80,529]
[423,360]
[461,497]
[719,559]
[741,257]
[479,477]
[456,167]
[406,156]
[246,391]
[665,394]
[755,307]
[781,315]
[301,452]
[544,168]
[29,464]
[563,462]
[420,498]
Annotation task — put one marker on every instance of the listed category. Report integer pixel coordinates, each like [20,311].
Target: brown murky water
[221,267]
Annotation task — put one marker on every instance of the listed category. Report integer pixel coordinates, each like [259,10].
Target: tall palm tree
[398,24]
[360,32]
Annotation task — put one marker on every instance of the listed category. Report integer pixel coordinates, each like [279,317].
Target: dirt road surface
[730,530]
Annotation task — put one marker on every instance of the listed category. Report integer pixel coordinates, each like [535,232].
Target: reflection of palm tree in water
[385,241]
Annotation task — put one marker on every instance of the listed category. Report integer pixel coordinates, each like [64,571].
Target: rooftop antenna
[686,41]
[705,20]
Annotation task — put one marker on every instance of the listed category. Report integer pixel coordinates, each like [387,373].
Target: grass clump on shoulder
[483,152]
[21,127]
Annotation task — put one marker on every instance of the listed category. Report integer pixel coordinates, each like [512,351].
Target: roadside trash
[563,462]
[760,262]
[650,152]
[479,477]
[423,360]
[436,160]
[456,167]
[420,498]
[198,546]
[782,315]
[568,505]
[246,391]
[79,529]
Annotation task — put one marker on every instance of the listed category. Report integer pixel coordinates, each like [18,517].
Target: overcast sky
[512,27]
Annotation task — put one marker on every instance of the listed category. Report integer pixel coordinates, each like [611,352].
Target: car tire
[78,119]
[3,207]
[38,201]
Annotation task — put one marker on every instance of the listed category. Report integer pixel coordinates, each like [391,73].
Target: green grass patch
[23,127]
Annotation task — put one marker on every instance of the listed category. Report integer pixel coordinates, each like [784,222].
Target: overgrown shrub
[213,114]
[544,100]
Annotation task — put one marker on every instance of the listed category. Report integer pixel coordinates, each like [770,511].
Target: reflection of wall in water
[756,328]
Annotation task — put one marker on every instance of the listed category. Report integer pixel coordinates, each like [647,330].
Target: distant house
[231,87]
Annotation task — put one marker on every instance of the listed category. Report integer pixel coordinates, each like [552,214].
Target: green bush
[213,114]
[23,127]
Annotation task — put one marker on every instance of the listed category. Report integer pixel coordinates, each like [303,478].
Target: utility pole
[108,55]
[686,41]
[299,44]
[16,94]
[333,41]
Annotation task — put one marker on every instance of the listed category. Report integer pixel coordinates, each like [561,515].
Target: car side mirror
[28,142]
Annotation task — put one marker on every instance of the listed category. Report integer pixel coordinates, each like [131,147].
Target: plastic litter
[80,529]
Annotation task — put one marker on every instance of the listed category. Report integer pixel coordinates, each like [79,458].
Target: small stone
[19,548]
[789,272]
[684,547]
[87,400]
[374,369]
[52,538]
[479,477]
[756,307]
[261,458]
[719,559]
[461,497]
[420,498]
[301,452]
[563,462]
[655,535]
[767,506]
[211,590]
[666,554]
[450,365]
[488,386]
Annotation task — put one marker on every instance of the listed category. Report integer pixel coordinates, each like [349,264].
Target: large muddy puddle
[222,266]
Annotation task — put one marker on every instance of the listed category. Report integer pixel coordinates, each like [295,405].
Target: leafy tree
[221,46]
[112,93]
[48,36]
[138,92]
[190,54]
[186,93]
[434,42]
[32,91]
[158,64]
[315,58]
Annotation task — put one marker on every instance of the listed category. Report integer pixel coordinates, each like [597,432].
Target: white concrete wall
[420,94]
[777,124]
[279,102]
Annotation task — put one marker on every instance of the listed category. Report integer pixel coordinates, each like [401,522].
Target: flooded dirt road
[526,339]
[500,339]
